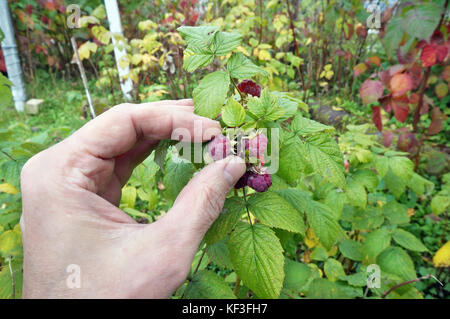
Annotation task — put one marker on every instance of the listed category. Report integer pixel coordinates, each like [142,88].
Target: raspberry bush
[309,215]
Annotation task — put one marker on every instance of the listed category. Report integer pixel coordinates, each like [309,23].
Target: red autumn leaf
[386,103]
[432,54]
[407,141]
[29,9]
[388,136]
[349,31]
[416,72]
[359,69]
[374,60]
[370,91]
[401,108]
[398,68]
[436,121]
[400,84]
[414,98]
[384,77]
[361,31]
[376,117]
[50,5]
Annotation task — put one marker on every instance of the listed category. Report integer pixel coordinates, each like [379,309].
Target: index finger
[117,130]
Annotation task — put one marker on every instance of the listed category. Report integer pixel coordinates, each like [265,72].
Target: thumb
[201,200]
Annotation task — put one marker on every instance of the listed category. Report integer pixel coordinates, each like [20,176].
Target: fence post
[12,60]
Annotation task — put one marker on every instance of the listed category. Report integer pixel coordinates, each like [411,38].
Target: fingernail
[234,169]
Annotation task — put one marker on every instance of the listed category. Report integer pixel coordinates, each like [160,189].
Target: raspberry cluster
[256,176]
[250,87]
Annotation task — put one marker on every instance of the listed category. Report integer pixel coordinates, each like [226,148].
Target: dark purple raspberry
[242,182]
[219,147]
[259,182]
[250,87]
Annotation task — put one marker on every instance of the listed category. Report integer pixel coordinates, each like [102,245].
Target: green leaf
[366,177]
[11,243]
[200,37]
[241,67]
[356,193]
[128,196]
[326,158]
[233,114]
[297,275]
[396,261]
[351,249]
[211,93]
[396,213]
[10,171]
[265,107]
[275,211]
[207,285]
[420,185]
[402,167]
[5,91]
[393,36]
[231,213]
[225,42]
[6,290]
[178,174]
[322,288]
[194,58]
[439,204]
[375,243]
[394,184]
[290,170]
[321,218]
[422,20]
[304,126]
[408,240]
[333,269]
[357,280]
[258,259]
[319,253]
[219,254]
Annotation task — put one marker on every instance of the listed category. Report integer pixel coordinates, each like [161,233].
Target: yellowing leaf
[264,55]
[311,239]
[8,188]
[85,50]
[146,25]
[442,256]
[308,41]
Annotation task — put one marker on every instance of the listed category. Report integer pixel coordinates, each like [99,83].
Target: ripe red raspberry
[250,87]
[259,182]
[219,147]
[257,145]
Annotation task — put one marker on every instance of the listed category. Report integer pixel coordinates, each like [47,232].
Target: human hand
[70,216]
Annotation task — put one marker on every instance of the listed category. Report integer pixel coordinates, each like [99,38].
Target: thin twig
[13,283]
[409,282]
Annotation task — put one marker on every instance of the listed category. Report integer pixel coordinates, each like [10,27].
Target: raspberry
[257,145]
[242,182]
[250,87]
[219,147]
[260,182]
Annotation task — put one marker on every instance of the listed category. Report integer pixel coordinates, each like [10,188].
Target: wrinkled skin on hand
[70,216]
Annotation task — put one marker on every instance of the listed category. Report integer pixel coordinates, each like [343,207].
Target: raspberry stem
[246,205]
